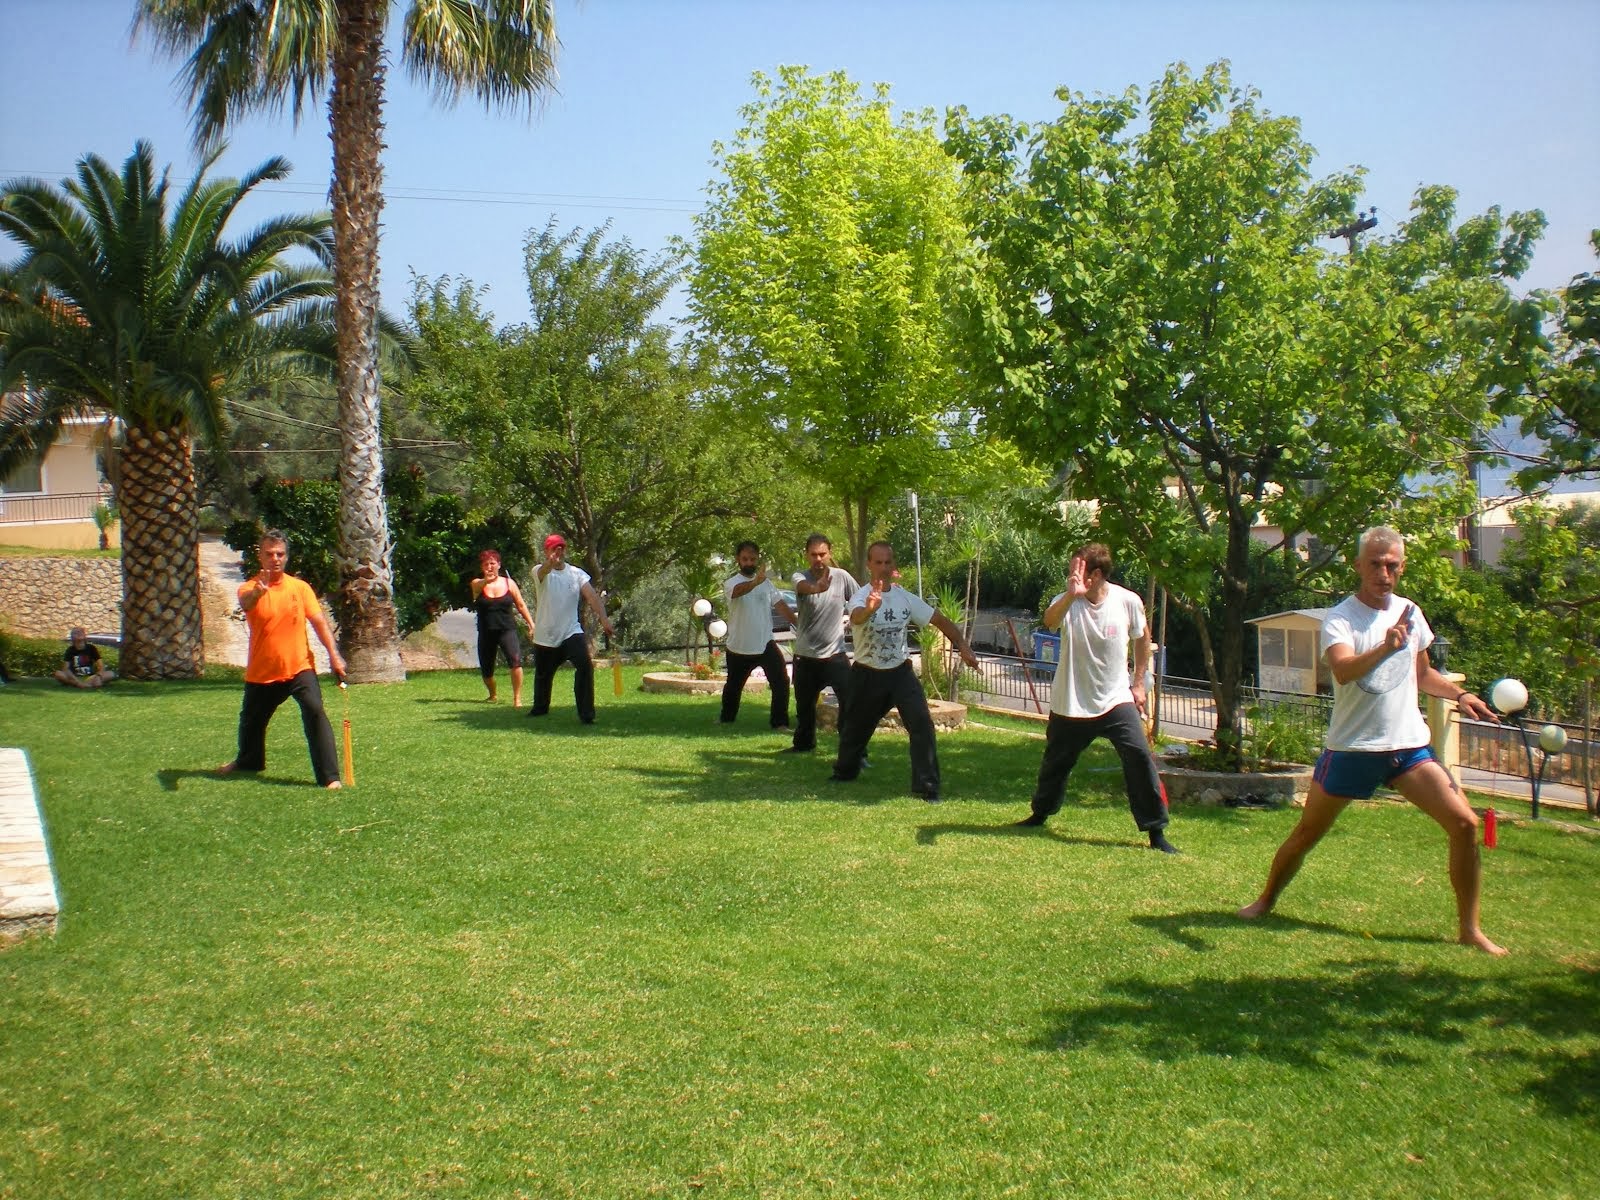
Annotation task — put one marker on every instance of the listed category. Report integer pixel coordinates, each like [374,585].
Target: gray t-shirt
[820,630]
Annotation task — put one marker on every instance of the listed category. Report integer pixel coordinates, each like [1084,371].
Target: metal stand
[1535,779]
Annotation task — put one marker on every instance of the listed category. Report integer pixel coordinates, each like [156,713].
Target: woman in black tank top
[497,601]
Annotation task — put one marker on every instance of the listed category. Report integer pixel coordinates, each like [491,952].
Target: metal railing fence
[35,510]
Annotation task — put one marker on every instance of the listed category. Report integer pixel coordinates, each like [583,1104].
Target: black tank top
[496,614]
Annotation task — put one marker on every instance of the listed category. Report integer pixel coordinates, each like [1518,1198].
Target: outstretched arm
[599,609]
[516,598]
[957,639]
[1432,683]
[325,636]
[1141,664]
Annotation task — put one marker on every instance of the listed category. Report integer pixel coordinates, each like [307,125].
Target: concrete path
[28,900]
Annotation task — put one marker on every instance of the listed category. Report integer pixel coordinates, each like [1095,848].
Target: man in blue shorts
[1376,645]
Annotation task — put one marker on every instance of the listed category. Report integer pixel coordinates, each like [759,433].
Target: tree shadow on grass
[928,835]
[170,777]
[1179,926]
[1361,1010]
[743,776]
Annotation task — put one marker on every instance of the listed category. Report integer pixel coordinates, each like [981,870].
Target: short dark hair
[889,546]
[275,536]
[740,548]
[819,537]
[1096,557]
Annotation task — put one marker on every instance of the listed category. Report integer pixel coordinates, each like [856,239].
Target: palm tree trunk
[161,627]
[368,624]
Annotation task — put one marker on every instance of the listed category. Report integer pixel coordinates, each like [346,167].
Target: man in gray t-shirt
[822,594]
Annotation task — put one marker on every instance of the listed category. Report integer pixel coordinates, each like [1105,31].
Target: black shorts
[504,641]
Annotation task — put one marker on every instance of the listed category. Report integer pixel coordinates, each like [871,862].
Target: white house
[49,503]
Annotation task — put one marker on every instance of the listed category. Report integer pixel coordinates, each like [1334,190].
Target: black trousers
[873,694]
[811,675]
[493,641]
[1067,738]
[547,661]
[261,700]
[770,660]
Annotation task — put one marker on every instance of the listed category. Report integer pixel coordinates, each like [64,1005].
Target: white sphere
[1552,739]
[1509,695]
[718,629]
[701,608]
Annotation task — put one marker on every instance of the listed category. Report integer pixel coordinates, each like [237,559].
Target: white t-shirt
[1378,711]
[819,633]
[555,598]
[881,641]
[749,615]
[1092,674]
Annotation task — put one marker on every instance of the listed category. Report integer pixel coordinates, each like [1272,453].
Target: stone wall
[45,596]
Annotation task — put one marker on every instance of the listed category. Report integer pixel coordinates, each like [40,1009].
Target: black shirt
[84,662]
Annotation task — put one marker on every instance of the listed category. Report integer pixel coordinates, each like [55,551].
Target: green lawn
[653,958]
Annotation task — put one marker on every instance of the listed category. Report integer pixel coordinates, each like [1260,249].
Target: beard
[747,571]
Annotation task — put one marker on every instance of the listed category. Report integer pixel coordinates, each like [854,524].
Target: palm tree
[250,55]
[152,320]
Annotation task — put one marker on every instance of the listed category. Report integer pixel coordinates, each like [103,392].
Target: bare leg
[516,687]
[488,682]
[1431,789]
[1320,812]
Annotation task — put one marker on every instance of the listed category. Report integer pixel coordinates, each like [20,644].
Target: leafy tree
[435,555]
[586,417]
[249,55]
[1153,307]
[127,303]
[1566,415]
[821,275]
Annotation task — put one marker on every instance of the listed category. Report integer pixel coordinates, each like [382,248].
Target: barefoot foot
[1478,941]
[333,786]
[1256,908]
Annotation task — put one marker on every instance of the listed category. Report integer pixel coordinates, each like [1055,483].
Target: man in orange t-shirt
[276,607]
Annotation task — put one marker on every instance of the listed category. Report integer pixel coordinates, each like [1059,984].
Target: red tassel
[1491,837]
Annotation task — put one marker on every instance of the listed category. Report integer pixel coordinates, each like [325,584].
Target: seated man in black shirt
[81,666]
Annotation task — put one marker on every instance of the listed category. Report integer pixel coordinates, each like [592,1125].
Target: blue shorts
[1356,774]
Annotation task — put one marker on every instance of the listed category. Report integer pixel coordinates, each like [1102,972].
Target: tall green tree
[587,417]
[138,306]
[1566,412]
[821,275]
[250,55]
[1156,308]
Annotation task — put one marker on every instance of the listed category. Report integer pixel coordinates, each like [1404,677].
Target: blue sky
[1497,99]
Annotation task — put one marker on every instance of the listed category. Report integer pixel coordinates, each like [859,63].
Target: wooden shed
[1286,652]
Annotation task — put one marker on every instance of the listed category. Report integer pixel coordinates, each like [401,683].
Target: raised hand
[1398,636]
[1077,579]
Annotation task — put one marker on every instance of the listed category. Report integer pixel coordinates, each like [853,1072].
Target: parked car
[779,625]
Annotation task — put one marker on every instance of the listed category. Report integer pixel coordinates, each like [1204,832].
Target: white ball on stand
[718,629]
[1552,739]
[1509,695]
[701,608]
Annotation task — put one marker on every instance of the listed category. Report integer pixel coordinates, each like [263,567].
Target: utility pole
[1359,225]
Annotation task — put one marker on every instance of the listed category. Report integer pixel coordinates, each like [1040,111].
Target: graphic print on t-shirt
[1392,671]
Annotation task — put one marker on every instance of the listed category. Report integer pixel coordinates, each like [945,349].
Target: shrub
[25,657]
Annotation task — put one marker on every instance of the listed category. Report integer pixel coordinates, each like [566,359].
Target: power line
[439,195]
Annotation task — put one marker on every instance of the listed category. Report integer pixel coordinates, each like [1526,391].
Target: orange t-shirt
[280,647]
